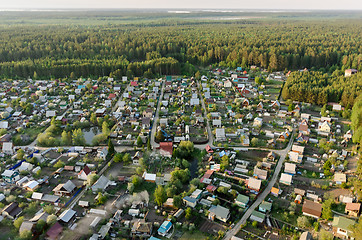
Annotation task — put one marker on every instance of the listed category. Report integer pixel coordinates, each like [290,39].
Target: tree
[20,154]
[66,138]
[51,219]
[91,179]
[159,136]
[327,209]
[325,235]
[254,142]
[198,75]
[188,213]
[118,157]
[78,137]
[303,222]
[126,158]
[177,201]
[26,235]
[18,222]
[40,225]
[139,141]
[101,199]
[357,229]
[105,128]
[258,80]
[136,180]
[111,150]
[160,195]
[59,164]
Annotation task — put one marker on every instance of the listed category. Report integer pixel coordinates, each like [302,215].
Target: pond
[89,134]
[194,168]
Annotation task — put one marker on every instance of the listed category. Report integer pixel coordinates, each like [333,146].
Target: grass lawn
[193,236]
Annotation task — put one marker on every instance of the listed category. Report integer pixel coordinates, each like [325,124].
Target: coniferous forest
[106,44]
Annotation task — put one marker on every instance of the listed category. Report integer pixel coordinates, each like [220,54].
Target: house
[290,168]
[196,194]
[148,113]
[67,217]
[190,202]
[258,122]
[136,158]
[342,227]
[260,174]
[340,178]
[11,211]
[166,149]
[216,123]
[10,176]
[54,233]
[242,200]
[220,135]
[102,153]
[83,175]
[304,128]
[271,156]
[306,236]
[254,184]
[298,149]
[259,107]
[149,177]
[31,185]
[141,229]
[163,122]
[275,191]
[257,216]
[101,184]
[312,209]
[286,179]
[298,199]
[265,207]
[4,125]
[26,226]
[301,138]
[50,114]
[25,166]
[350,72]
[227,84]
[275,105]
[324,127]
[352,209]
[194,102]
[295,157]
[146,123]
[8,148]
[219,212]
[209,149]
[164,228]
[65,189]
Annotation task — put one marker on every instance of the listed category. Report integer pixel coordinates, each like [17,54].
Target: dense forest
[319,88]
[74,50]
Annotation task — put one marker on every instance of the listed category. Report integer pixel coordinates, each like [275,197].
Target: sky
[185,4]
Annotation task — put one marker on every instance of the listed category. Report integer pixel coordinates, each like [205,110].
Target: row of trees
[43,51]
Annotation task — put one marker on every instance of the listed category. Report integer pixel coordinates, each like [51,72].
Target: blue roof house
[164,228]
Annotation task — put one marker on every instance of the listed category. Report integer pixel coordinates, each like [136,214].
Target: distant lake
[89,134]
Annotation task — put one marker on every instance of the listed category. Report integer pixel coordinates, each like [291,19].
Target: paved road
[157,115]
[262,196]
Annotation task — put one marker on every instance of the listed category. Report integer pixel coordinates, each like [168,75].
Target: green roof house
[242,200]
[341,227]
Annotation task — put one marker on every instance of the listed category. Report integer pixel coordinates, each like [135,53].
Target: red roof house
[166,149]
[54,232]
[208,149]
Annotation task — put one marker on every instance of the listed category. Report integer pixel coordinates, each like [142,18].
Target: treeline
[318,88]
[59,50]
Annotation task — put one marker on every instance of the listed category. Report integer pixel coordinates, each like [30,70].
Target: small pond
[89,134]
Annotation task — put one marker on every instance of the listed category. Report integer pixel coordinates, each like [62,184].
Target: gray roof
[67,215]
[101,184]
[69,186]
[220,211]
